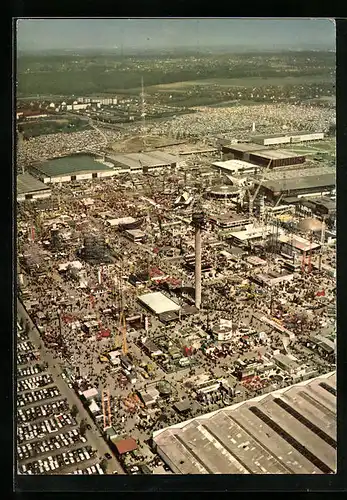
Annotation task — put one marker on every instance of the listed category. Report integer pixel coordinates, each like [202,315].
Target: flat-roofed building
[276,158]
[239,167]
[135,235]
[228,221]
[290,137]
[297,244]
[239,151]
[272,278]
[30,188]
[144,162]
[72,168]
[299,184]
[158,303]
[286,363]
[289,431]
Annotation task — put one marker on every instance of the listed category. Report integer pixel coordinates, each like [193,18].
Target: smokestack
[198,267]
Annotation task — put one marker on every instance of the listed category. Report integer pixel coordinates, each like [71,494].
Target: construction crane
[252,198]
[106,408]
[123,330]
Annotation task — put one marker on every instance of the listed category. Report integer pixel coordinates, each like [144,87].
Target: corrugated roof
[26,184]
[244,147]
[289,431]
[276,154]
[147,159]
[311,181]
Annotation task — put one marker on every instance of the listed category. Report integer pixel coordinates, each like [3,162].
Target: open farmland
[240,82]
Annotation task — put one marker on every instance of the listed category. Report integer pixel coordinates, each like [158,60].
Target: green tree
[27,327]
[83,427]
[74,411]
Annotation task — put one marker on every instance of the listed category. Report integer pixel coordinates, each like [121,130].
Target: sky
[149,34]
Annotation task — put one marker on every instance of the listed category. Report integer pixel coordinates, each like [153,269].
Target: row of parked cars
[38,395]
[57,442]
[39,430]
[29,370]
[25,346]
[36,412]
[92,470]
[23,358]
[34,382]
[46,426]
[21,336]
[52,463]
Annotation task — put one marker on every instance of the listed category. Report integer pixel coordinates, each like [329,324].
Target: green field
[52,126]
[72,74]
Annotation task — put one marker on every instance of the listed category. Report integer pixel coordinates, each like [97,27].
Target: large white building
[288,431]
[269,140]
[238,167]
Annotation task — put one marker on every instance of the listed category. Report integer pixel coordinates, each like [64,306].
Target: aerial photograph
[175,246]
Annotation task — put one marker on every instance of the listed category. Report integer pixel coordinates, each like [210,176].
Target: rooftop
[282,134]
[148,159]
[234,165]
[125,445]
[298,242]
[120,221]
[244,147]
[26,183]
[295,172]
[289,431]
[158,302]
[312,181]
[276,154]
[70,165]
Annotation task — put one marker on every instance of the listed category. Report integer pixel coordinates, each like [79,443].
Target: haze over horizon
[155,34]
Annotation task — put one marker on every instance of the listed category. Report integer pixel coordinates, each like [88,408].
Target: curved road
[93,436]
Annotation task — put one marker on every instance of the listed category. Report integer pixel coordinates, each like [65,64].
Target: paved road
[93,436]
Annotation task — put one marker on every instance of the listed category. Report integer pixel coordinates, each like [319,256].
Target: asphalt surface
[93,436]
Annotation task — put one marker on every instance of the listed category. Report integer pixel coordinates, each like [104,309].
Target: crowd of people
[205,124]
[220,298]
[208,122]
[49,146]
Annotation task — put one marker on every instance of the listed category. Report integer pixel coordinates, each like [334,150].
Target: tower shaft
[198,267]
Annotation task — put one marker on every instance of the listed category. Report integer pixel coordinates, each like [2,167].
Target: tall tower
[198,221]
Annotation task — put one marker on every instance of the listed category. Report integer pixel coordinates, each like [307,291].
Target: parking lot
[38,412]
[49,437]
[35,382]
[57,462]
